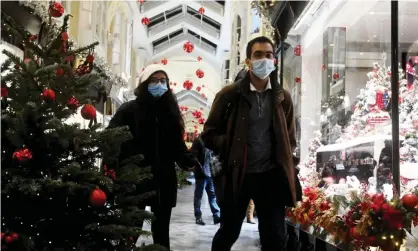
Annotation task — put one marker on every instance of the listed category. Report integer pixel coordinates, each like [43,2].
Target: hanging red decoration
[98,198]
[323,67]
[59,72]
[22,155]
[145,21]
[203,95]
[155,62]
[201,121]
[188,85]
[141,1]
[48,95]
[64,36]
[4,91]
[164,61]
[33,38]
[200,73]
[198,88]
[184,108]
[336,76]
[197,114]
[297,79]
[199,58]
[88,112]
[90,58]
[188,47]
[298,50]
[201,10]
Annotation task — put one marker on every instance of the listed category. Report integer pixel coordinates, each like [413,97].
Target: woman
[157,127]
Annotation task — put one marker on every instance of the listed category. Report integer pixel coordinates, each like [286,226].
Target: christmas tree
[370,113]
[54,195]
[308,174]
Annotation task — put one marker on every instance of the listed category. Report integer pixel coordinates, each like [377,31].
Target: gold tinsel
[264,9]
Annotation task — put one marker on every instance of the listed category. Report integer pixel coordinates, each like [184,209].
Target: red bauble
[90,58]
[201,121]
[48,95]
[4,91]
[98,198]
[188,85]
[336,76]
[88,112]
[164,61]
[198,88]
[199,58]
[56,9]
[14,236]
[197,114]
[354,233]
[202,10]
[297,79]
[409,200]
[188,47]
[22,155]
[60,72]
[72,103]
[64,36]
[141,1]
[27,61]
[145,21]
[200,73]
[297,51]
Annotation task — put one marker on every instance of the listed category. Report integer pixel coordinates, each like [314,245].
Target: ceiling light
[361,53]
[368,40]
[331,44]
[371,12]
[374,35]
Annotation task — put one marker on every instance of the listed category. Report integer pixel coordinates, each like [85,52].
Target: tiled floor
[185,235]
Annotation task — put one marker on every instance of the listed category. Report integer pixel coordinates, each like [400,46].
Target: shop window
[238,31]
[226,69]
[255,21]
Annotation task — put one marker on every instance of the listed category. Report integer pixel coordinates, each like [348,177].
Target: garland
[361,220]
[40,8]
[333,102]
[264,10]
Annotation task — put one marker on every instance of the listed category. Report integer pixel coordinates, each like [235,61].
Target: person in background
[157,127]
[250,212]
[251,126]
[203,182]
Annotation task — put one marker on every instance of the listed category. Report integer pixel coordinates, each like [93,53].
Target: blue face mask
[157,90]
[263,67]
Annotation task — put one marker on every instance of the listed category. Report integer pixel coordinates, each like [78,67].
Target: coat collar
[244,88]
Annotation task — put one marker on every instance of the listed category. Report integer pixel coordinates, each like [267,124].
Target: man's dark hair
[261,40]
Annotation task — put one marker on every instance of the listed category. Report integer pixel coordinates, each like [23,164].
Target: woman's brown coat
[228,138]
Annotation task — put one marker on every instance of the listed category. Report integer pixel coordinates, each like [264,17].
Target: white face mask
[263,67]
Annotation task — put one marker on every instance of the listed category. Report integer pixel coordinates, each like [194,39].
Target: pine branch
[83,49]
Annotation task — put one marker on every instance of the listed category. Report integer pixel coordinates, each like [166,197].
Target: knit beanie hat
[149,70]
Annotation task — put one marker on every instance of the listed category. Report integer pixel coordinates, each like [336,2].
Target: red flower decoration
[22,154]
[56,9]
[297,79]
[33,37]
[203,95]
[90,58]
[164,61]
[200,73]
[188,85]
[60,72]
[72,103]
[145,21]
[392,218]
[188,47]
[202,10]
[198,88]
[199,58]
[109,173]
[141,1]
[336,76]
[323,67]
[297,51]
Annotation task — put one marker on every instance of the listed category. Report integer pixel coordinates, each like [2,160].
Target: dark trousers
[160,227]
[201,185]
[264,189]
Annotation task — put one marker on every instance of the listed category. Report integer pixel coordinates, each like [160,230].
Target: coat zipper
[157,161]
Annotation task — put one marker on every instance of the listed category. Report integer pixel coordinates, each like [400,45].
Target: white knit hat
[149,70]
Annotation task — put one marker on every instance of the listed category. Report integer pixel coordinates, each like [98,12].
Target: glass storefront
[338,68]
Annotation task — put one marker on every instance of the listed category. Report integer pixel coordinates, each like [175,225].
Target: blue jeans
[201,185]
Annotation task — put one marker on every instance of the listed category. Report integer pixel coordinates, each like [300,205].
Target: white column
[116,50]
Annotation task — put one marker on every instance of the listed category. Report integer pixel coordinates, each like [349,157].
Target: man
[203,182]
[251,126]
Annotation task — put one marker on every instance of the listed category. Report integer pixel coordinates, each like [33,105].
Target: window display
[341,53]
